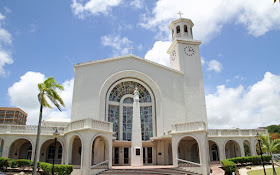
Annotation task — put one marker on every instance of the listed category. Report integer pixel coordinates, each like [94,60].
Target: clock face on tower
[189,51]
[173,55]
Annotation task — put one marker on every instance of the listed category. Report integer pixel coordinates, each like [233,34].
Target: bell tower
[185,57]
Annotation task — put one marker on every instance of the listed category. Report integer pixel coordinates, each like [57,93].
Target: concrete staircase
[162,171]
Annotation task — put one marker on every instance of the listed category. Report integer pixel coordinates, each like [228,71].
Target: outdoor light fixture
[258,137]
[55,136]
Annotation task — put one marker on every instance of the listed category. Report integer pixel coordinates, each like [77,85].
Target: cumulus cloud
[214,65]
[209,17]
[137,4]
[93,7]
[158,53]
[5,41]
[23,94]
[251,107]
[119,44]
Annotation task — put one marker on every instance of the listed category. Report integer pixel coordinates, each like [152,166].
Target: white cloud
[23,94]
[209,17]
[119,44]
[5,55]
[5,58]
[93,7]
[215,66]
[137,4]
[255,106]
[203,61]
[159,53]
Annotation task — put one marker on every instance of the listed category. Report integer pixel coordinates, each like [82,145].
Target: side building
[13,116]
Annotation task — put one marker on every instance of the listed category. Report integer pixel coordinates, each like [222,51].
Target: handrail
[186,161]
[93,166]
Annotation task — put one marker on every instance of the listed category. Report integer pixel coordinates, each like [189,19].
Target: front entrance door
[126,156]
[147,155]
[116,155]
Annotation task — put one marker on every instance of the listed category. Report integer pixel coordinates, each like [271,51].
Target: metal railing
[101,165]
[187,163]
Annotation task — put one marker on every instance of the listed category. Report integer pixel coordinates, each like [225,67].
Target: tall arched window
[120,109]
[178,29]
[185,28]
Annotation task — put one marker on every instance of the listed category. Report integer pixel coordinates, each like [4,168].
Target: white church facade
[129,111]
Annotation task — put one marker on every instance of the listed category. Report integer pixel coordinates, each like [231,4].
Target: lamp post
[55,136]
[258,137]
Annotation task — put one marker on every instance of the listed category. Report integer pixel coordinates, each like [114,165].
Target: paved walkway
[216,170]
[243,171]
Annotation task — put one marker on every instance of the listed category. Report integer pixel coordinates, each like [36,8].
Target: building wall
[91,85]
[14,116]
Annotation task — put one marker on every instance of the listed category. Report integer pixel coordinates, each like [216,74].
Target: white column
[136,140]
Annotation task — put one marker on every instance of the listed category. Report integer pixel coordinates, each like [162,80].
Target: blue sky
[240,50]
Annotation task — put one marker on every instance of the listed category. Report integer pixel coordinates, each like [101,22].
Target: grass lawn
[268,171]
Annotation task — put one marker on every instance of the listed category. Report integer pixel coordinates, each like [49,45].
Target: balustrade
[192,126]
[235,132]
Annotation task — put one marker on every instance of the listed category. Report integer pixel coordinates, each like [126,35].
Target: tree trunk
[274,171]
[37,141]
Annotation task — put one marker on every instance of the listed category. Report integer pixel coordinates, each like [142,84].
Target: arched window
[120,109]
[51,152]
[59,156]
[185,28]
[178,29]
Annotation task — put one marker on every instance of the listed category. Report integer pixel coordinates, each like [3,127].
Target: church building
[129,111]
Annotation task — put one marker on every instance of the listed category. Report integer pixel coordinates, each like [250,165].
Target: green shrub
[4,163]
[22,163]
[58,169]
[250,159]
[228,166]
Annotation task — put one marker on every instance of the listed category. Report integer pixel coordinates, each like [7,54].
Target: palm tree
[47,90]
[270,146]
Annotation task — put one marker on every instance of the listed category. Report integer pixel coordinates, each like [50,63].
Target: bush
[4,163]
[22,163]
[250,159]
[58,169]
[229,166]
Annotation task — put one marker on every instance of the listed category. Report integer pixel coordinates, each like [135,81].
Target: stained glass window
[146,122]
[127,122]
[128,87]
[116,94]
[128,100]
[113,116]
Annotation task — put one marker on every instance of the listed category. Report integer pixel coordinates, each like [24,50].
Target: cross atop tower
[131,49]
[180,14]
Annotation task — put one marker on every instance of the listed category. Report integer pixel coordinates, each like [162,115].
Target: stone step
[162,171]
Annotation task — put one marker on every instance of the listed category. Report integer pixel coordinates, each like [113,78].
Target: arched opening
[76,151]
[1,146]
[213,151]
[50,151]
[185,28]
[188,149]
[99,150]
[178,29]
[21,149]
[120,109]
[246,145]
[232,149]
